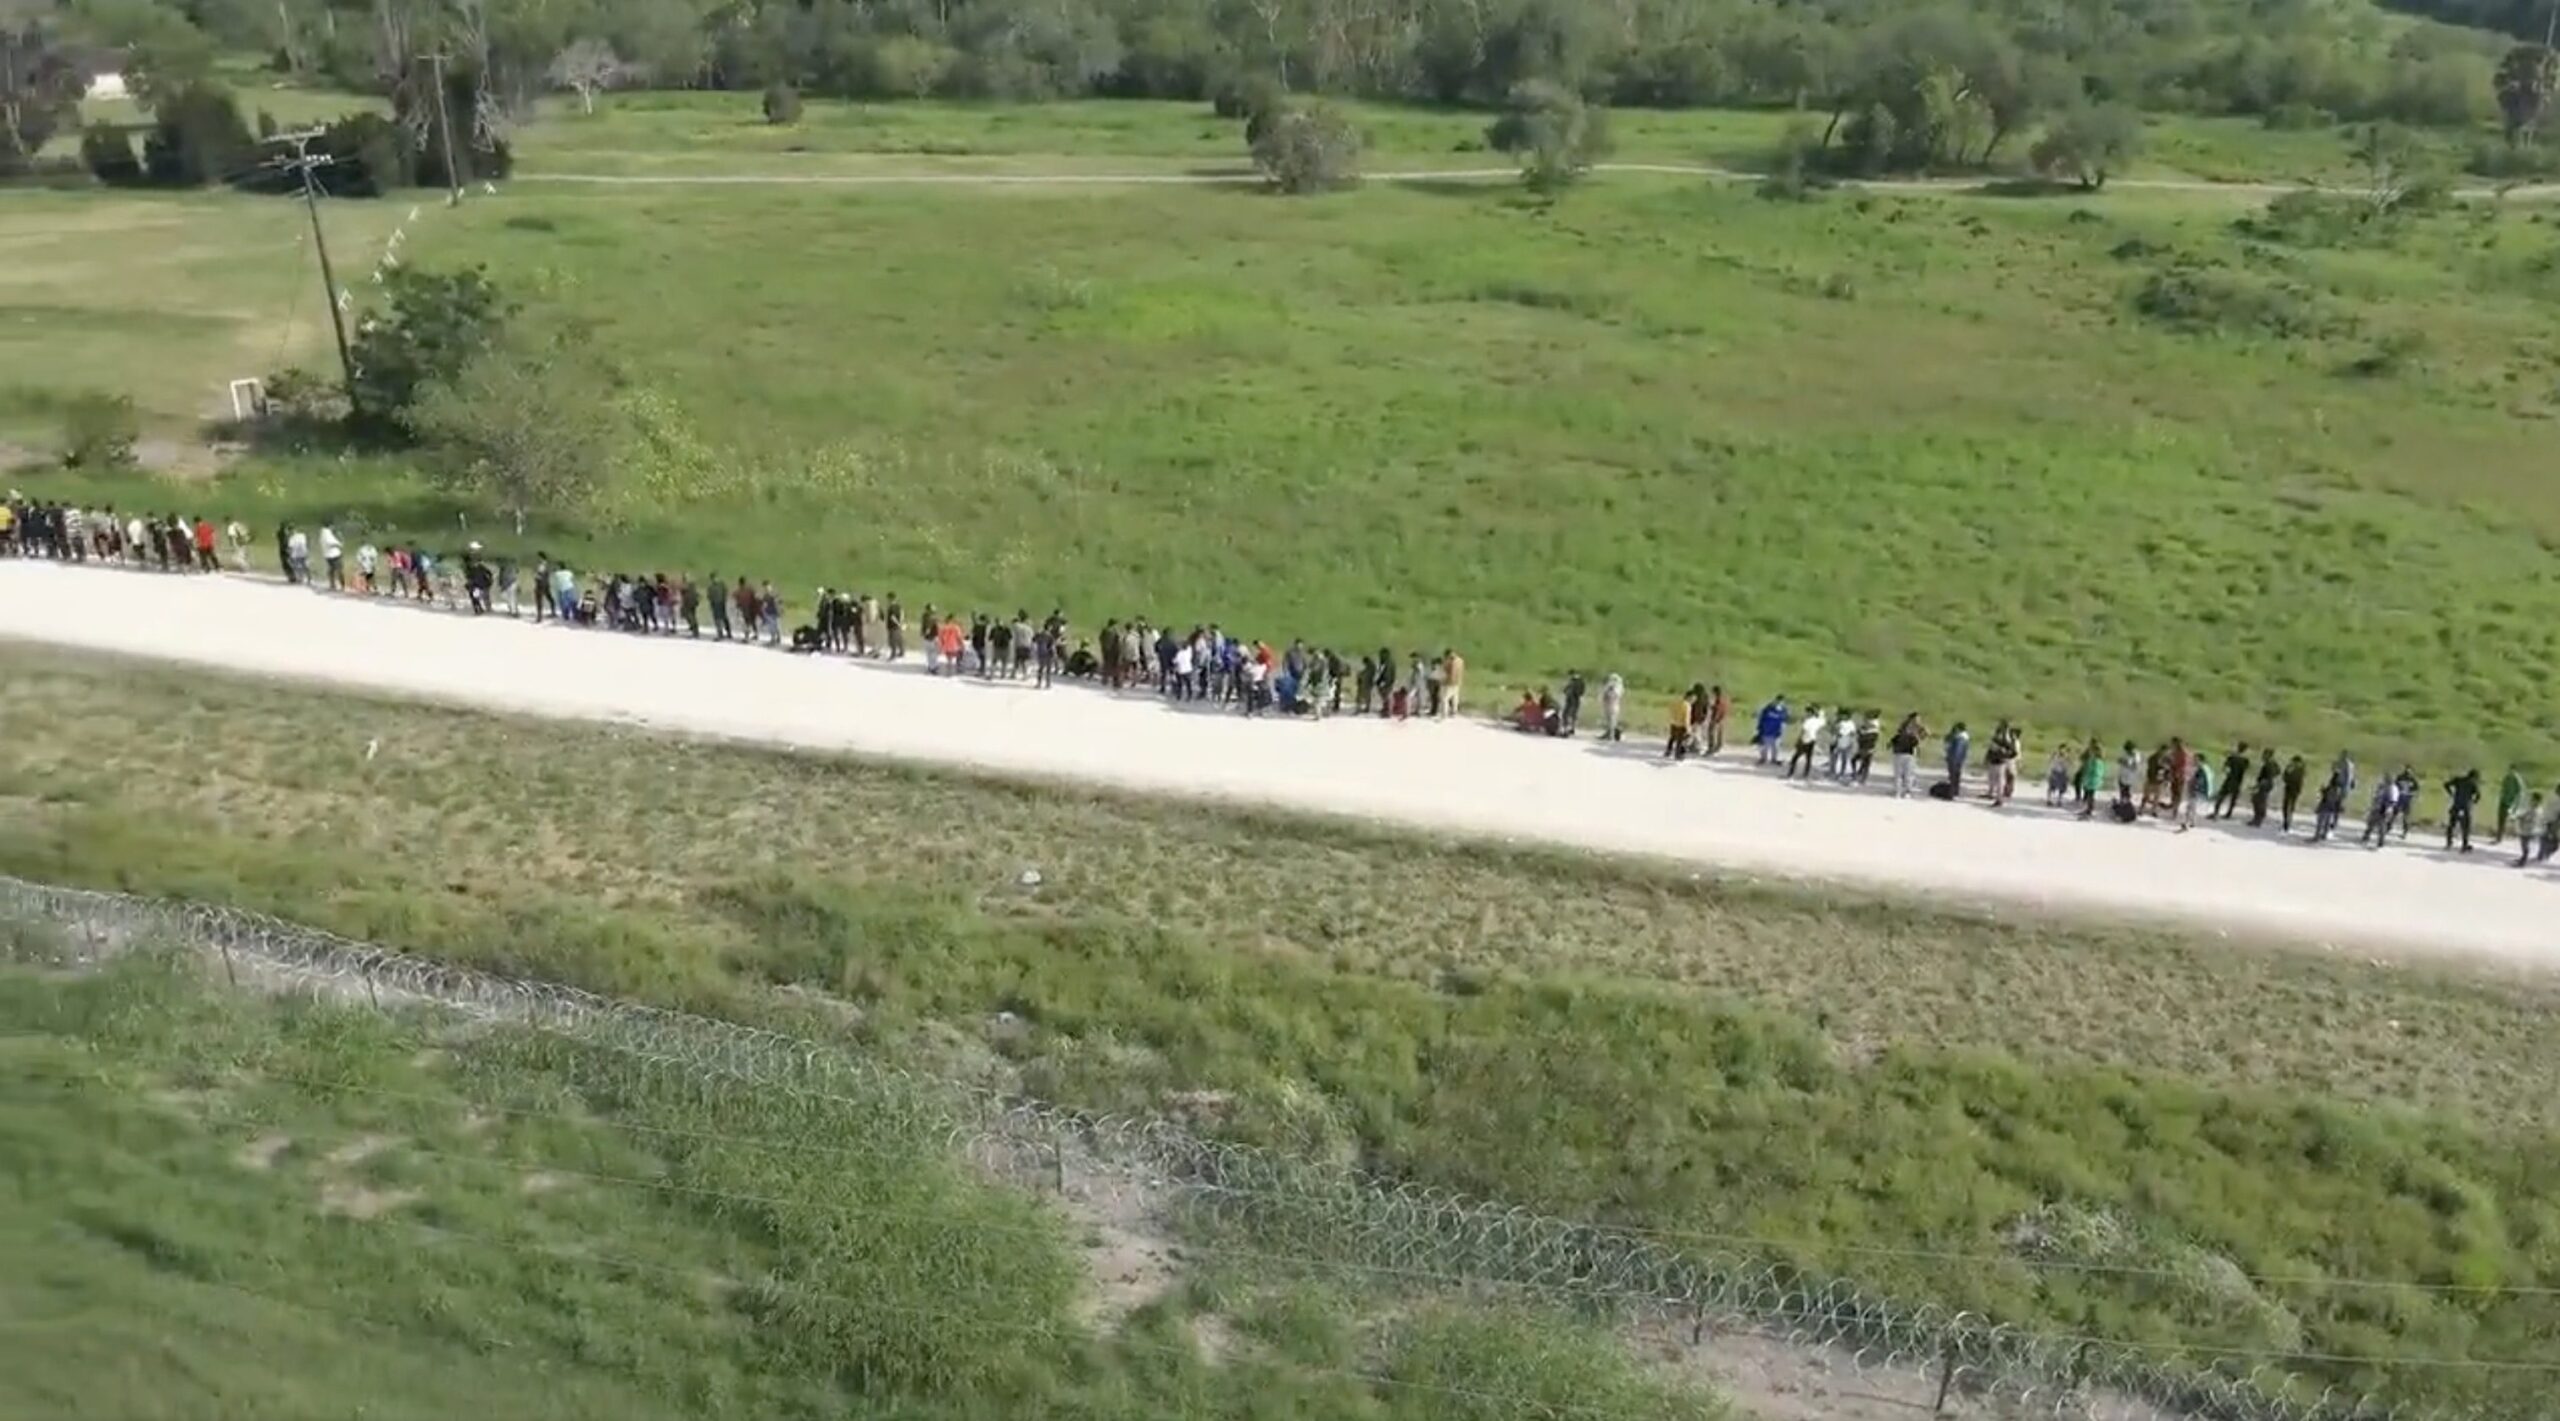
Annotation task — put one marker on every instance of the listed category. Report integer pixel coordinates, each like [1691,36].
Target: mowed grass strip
[2149,1137]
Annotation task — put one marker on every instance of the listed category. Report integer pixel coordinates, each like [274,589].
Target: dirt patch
[356,1151]
[355,1201]
[543,1181]
[262,1152]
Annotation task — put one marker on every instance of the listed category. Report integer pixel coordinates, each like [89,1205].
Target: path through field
[1475,779]
[1247,177]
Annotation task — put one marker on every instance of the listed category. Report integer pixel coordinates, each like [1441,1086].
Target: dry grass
[1906,1095]
[460,813]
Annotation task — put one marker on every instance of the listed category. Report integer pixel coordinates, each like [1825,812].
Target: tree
[587,67]
[198,138]
[436,323]
[165,54]
[1555,135]
[2523,83]
[1309,148]
[40,90]
[2087,143]
[2389,156]
[526,425]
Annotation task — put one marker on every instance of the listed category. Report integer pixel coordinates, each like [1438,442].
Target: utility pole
[444,124]
[304,162]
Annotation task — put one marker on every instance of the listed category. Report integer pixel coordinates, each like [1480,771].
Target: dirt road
[1470,778]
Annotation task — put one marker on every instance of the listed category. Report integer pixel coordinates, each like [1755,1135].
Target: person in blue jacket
[1772,730]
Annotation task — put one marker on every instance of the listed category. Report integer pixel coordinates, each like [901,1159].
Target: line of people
[1208,666]
[2172,781]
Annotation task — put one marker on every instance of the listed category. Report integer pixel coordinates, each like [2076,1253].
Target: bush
[1793,172]
[781,104]
[98,431]
[2388,356]
[1249,97]
[197,138]
[2086,144]
[2297,118]
[108,155]
[298,396]
[1556,136]
[437,323]
[1310,149]
[2513,162]
[2201,300]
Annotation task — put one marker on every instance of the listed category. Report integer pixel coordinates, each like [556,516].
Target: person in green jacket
[2510,794]
[2093,777]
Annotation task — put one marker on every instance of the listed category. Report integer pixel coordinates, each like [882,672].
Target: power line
[304,163]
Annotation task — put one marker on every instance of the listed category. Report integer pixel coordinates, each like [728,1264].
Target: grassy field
[2233,1129]
[219,1206]
[166,298]
[677,133]
[1906,451]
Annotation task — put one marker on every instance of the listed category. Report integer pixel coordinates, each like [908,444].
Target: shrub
[298,396]
[437,323]
[2201,300]
[108,155]
[2298,117]
[198,137]
[781,104]
[1249,97]
[2388,356]
[1310,149]
[1556,136]
[1793,175]
[98,431]
[2513,162]
[2087,144]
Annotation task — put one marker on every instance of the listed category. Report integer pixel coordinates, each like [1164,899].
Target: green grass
[1832,1078]
[1902,451]
[219,1206]
[164,297]
[678,133]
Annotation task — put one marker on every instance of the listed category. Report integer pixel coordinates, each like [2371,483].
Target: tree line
[1891,85]
[1832,57]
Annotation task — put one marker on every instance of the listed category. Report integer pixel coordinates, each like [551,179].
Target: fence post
[1946,1380]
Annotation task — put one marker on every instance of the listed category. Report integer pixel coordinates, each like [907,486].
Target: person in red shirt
[204,544]
[1718,707]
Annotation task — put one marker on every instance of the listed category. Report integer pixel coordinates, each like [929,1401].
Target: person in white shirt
[334,554]
[78,545]
[236,537]
[1808,735]
[368,558]
[134,548]
[1613,707]
[297,557]
[1181,686]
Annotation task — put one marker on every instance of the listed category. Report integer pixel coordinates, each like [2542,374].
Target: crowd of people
[1206,666]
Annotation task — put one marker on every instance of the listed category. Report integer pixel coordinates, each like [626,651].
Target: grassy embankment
[227,1207]
[2137,1135]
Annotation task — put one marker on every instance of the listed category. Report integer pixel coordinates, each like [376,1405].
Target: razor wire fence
[1296,1211]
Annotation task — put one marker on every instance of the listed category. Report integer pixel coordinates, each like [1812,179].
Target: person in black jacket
[717,592]
[2268,773]
[2235,776]
[2294,770]
[2464,790]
